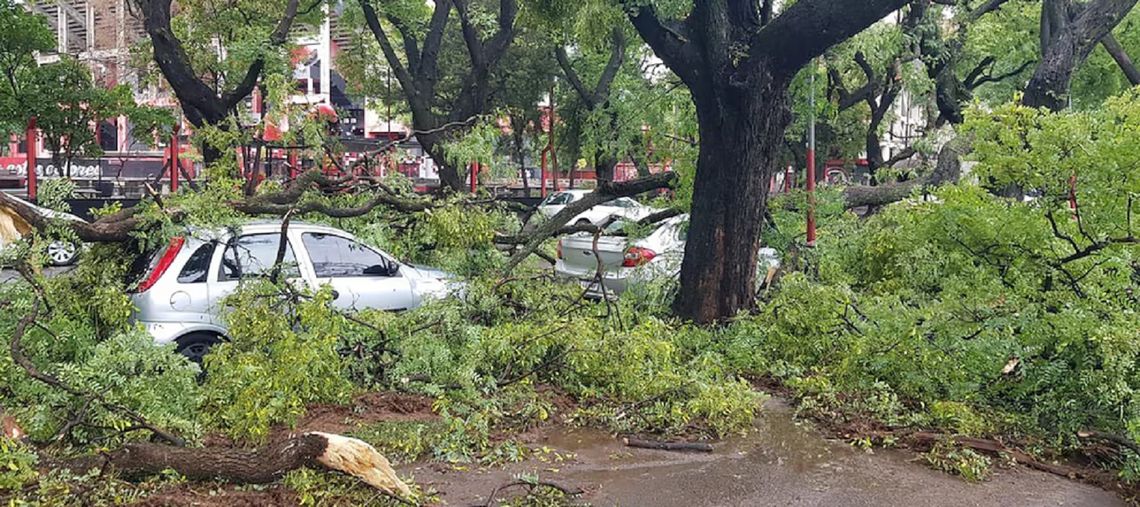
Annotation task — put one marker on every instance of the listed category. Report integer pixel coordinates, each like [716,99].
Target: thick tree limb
[1066,43]
[1122,59]
[403,77]
[669,40]
[109,229]
[604,193]
[201,103]
[782,45]
[948,170]
[245,466]
[668,446]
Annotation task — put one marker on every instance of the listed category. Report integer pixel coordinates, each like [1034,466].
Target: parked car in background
[180,292]
[622,207]
[625,263]
[12,228]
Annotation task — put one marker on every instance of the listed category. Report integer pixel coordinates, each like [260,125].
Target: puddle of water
[781,462]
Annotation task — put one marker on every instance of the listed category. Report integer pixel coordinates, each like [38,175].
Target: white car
[624,263]
[12,228]
[180,293]
[622,207]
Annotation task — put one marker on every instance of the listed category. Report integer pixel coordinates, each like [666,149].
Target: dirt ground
[782,462]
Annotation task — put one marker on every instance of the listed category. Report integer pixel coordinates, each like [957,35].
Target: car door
[245,257]
[360,276]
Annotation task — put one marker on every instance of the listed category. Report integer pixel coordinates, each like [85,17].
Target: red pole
[292,163]
[542,174]
[31,145]
[811,196]
[811,165]
[174,163]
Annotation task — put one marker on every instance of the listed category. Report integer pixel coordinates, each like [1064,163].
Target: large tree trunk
[741,129]
[604,167]
[449,176]
[1068,34]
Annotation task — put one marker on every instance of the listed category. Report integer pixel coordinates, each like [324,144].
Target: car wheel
[583,221]
[195,346]
[62,253]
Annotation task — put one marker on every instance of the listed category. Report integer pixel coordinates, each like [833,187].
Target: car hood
[433,283]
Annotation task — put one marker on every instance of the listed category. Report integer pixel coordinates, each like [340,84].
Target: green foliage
[17,465]
[974,313]
[403,441]
[23,35]
[280,357]
[947,457]
[86,341]
[486,351]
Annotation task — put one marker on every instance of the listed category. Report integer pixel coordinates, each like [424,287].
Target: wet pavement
[783,462]
[11,275]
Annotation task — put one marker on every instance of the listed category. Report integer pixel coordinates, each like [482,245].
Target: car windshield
[625,202]
[616,226]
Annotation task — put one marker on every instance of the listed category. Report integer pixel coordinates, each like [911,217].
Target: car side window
[198,266]
[338,257]
[253,255]
[560,199]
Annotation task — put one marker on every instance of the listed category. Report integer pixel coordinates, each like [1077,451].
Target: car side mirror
[387,269]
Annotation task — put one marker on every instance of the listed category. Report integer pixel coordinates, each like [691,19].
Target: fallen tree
[247,466]
[947,170]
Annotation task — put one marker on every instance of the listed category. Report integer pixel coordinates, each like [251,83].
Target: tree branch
[402,75]
[782,45]
[671,42]
[1122,59]
[604,193]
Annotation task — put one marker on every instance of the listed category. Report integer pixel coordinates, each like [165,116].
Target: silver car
[179,295]
[624,263]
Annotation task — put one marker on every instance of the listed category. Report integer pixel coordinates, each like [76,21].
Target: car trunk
[578,253]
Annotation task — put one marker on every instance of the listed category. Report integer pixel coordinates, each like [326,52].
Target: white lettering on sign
[84,169]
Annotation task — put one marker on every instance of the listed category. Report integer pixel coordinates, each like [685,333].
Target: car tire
[195,346]
[62,253]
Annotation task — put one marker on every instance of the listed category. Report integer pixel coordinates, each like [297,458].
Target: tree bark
[742,112]
[1122,59]
[419,76]
[740,132]
[948,170]
[1066,43]
[248,466]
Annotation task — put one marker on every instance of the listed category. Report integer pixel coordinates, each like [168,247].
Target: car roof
[263,226]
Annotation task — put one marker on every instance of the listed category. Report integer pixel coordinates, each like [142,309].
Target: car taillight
[163,264]
[636,256]
[558,249]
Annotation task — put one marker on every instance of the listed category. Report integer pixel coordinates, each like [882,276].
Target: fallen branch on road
[245,466]
[667,446]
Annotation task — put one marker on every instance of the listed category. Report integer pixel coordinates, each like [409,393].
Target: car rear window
[198,267]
